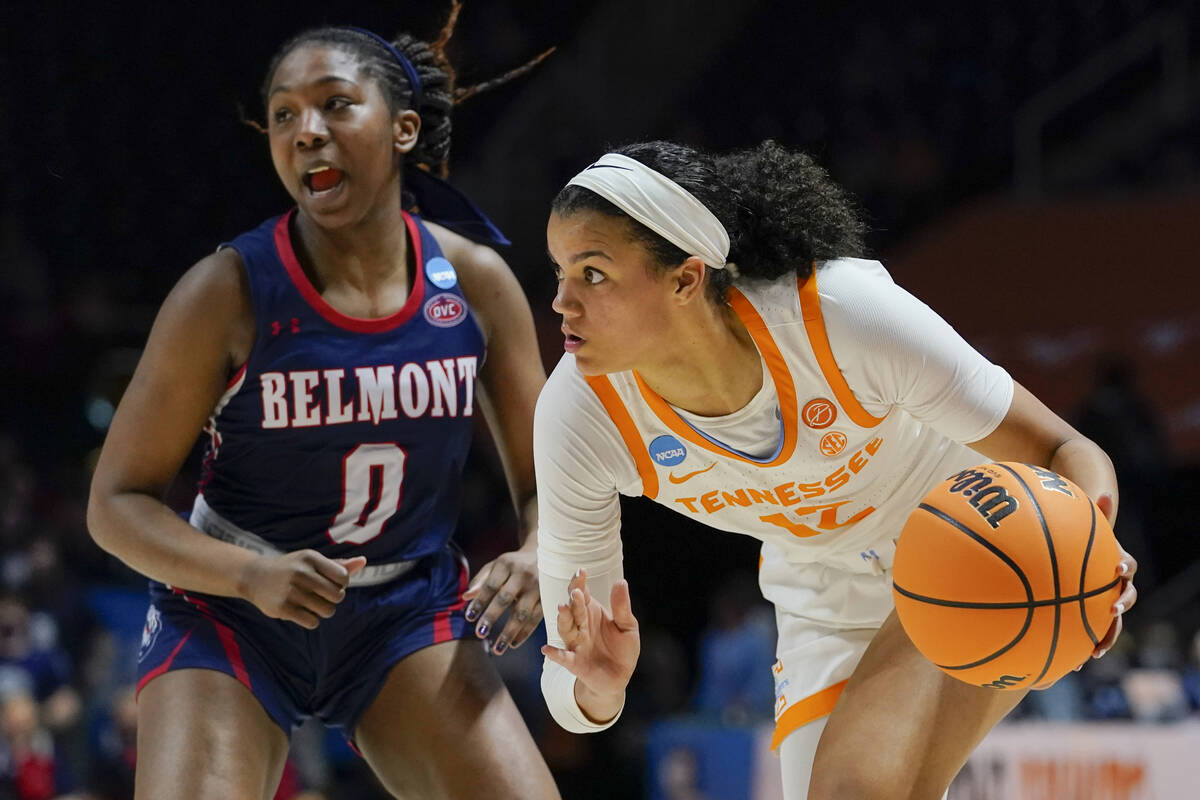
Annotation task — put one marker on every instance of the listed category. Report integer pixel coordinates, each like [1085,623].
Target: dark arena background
[1029,168]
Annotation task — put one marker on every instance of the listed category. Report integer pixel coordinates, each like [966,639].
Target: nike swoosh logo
[671,475]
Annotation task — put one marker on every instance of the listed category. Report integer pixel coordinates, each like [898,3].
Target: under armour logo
[277,327]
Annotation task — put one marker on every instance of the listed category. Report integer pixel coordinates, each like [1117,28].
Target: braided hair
[781,209]
[439,92]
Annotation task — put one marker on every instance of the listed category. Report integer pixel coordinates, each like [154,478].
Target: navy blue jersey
[341,434]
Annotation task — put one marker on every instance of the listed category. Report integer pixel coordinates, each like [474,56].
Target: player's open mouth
[572,342]
[321,181]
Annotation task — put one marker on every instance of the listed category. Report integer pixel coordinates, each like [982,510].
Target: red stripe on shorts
[163,667]
[441,621]
[228,640]
[233,653]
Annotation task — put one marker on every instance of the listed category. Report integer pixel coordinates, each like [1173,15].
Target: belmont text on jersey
[306,398]
[344,434]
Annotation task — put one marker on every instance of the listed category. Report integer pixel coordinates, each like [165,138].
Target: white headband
[659,203]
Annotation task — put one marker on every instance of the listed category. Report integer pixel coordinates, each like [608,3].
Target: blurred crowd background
[1030,168]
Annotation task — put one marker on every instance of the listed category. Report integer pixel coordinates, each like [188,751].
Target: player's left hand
[511,581]
[1125,570]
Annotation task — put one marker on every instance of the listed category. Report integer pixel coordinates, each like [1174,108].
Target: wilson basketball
[1005,576]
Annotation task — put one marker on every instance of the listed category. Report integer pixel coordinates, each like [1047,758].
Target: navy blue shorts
[333,672]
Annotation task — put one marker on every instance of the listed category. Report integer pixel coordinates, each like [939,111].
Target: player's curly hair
[781,209]
[439,92]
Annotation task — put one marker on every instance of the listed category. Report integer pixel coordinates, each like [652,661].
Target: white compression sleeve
[581,464]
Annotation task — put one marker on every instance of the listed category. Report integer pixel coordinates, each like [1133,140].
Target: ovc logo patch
[441,272]
[667,451]
[445,310]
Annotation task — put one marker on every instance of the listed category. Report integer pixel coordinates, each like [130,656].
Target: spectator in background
[60,615]
[27,667]
[27,763]
[1106,698]
[678,776]
[1155,686]
[115,748]
[17,486]
[1191,674]
[1119,418]
[1064,701]
[738,643]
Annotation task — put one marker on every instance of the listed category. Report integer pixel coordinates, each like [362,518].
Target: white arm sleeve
[582,465]
[895,351]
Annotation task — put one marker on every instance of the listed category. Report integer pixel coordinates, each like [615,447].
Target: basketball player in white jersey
[726,358]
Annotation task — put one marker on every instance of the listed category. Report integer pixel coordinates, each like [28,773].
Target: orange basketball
[1005,576]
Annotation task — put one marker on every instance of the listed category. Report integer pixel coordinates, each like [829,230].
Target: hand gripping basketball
[1008,576]
[1127,568]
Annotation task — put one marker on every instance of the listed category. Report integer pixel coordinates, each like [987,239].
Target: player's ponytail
[781,210]
[789,212]
[439,92]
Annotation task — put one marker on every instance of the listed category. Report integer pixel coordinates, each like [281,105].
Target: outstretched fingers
[572,629]
[579,581]
[579,613]
[564,658]
[622,607]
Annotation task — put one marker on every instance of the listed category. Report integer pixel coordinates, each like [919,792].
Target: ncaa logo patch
[150,631]
[832,443]
[667,451]
[441,272]
[445,310]
[819,413]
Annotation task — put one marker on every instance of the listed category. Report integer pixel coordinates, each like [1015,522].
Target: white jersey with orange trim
[867,397]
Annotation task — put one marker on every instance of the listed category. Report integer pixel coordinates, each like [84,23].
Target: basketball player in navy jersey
[335,357]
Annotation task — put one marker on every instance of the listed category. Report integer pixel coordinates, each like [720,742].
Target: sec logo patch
[819,413]
[832,443]
[445,310]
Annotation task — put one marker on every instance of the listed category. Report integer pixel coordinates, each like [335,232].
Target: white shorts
[826,616]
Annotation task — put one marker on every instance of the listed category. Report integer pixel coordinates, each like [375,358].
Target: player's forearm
[558,689]
[1082,461]
[149,537]
[600,709]
[527,520]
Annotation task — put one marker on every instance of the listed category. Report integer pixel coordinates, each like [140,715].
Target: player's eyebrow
[575,259]
[318,82]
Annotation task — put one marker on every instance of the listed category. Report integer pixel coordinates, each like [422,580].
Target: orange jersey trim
[814,325]
[812,707]
[785,389]
[620,416]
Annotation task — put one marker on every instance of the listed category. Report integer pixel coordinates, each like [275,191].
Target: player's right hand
[303,587]
[600,649]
